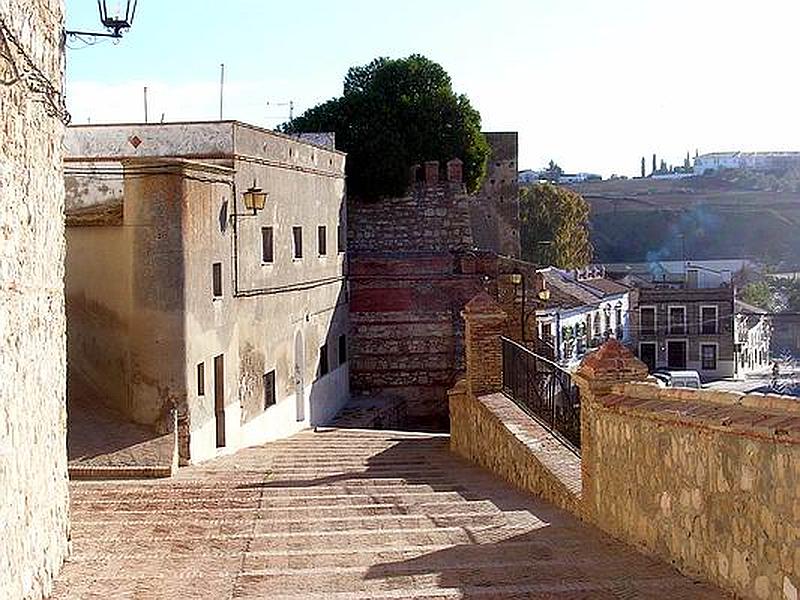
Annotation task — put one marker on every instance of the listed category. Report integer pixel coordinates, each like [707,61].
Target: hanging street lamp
[116,21]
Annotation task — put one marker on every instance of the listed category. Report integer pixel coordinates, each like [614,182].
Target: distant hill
[729,215]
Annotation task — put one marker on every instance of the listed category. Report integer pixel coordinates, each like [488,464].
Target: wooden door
[219,398]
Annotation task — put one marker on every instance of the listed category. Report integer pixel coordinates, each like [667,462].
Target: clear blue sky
[594,85]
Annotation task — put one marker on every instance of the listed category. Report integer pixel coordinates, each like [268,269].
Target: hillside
[719,217]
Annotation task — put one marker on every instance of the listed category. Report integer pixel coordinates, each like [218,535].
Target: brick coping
[738,414]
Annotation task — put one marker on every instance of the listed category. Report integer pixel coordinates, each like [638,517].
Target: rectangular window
[322,240]
[342,349]
[269,389]
[216,275]
[297,237]
[323,360]
[266,245]
[677,319]
[201,379]
[341,242]
[708,357]
[647,320]
[708,320]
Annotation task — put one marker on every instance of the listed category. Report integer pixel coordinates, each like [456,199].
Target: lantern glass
[255,199]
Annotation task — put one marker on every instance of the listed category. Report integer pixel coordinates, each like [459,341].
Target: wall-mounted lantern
[116,21]
[255,198]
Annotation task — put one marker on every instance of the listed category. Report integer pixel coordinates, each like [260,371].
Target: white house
[583,310]
[753,331]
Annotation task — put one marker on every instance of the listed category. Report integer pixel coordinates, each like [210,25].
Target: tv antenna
[290,104]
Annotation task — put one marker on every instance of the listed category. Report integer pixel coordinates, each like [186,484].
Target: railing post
[612,364]
[485,323]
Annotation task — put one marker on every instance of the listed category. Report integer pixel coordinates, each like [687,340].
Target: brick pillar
[431,172]
[485,323]
[455,170]
[599,372]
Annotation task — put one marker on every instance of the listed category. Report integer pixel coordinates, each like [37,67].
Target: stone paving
[98,438]
[345,514]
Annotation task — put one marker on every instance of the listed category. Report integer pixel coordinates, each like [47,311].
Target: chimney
[431,172]
[455,170]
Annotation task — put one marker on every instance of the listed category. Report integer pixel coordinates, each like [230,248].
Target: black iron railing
[544,390]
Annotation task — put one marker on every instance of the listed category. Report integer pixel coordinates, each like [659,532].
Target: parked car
[684,379]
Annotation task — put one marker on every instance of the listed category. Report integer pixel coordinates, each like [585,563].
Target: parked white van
[684,379]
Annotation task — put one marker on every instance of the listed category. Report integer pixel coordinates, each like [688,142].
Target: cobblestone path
[344,515]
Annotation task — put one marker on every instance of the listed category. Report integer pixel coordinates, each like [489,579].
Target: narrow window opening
[266,245]
[297,235]
[322,240]
[269,389]
[216,276]
[201,379]
[323,360]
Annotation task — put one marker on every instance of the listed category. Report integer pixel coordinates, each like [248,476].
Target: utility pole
[221,87]
[145,104]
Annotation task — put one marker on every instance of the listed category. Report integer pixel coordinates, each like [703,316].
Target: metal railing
[544,390]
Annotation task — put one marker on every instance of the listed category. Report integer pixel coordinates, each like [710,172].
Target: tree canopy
[395,113]
[554,223]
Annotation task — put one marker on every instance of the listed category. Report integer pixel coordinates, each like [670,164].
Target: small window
[677,319]
[708,320]
[269,389]
[201,379]
[708,357]
[341,242]
[342,349]
[216,275]
[322,240]
[266,245]
[297,236]
[647,320]
[323,360]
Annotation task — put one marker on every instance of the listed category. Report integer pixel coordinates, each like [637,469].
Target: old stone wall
[33,461]
[709,481]
[494,210]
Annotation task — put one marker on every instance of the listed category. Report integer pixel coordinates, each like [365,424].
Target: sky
[594,85]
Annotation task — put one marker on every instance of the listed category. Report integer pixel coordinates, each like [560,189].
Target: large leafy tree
[554,226]
[395,113]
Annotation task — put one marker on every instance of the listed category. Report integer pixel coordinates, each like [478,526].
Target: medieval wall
[407,287]
[33,460]
[708,481]
[414,262]
[494,211]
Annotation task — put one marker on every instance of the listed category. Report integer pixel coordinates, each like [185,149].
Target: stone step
[234,525]
[124,539]
[254,499]
[292,512]
[417,575]
[270,489]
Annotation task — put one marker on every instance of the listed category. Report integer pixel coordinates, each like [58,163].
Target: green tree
[554,223]
[395,113]
[758,293]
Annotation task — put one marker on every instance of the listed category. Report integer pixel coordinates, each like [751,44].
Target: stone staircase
[344,514]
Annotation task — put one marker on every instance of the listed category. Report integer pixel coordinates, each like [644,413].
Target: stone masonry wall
[33,461]
[709,481]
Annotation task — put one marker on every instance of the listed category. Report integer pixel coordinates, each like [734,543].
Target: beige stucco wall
[33,462]
[178,220]
[257,330]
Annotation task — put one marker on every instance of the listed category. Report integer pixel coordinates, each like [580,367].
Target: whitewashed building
[584,309]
